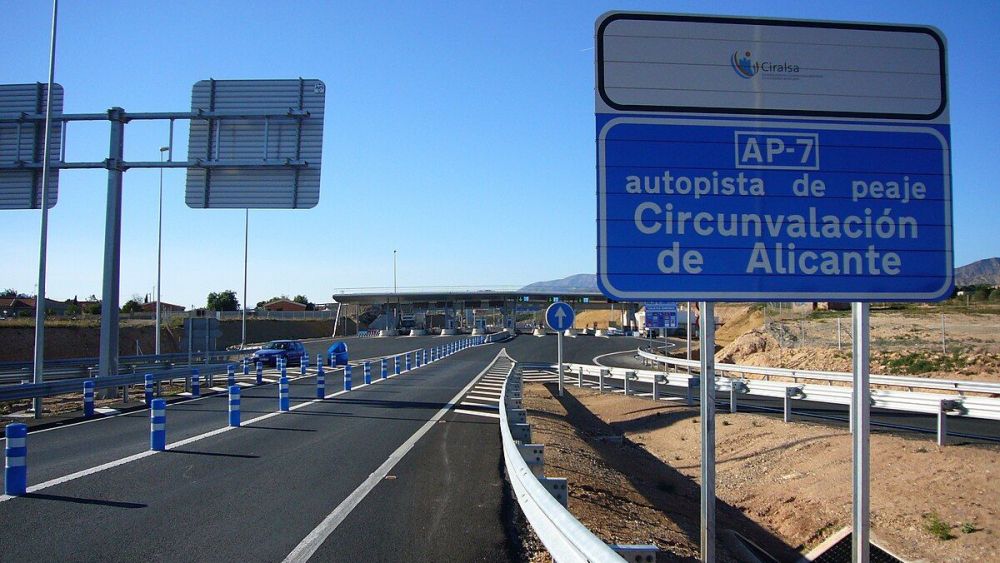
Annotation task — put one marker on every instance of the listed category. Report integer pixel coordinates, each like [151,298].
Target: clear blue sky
[459,133]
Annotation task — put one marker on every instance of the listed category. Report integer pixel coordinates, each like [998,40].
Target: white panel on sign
[651,62]
[22,144]
[244,154]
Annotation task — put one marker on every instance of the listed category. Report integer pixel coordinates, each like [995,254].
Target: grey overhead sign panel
[22,144]
[258,146]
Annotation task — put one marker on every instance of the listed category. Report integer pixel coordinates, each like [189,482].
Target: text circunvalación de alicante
[675,214]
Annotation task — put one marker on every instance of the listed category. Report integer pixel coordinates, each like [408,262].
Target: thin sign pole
[246,254]
[689,336]
[39,363]
[559,347]
[860,422]
[707,431]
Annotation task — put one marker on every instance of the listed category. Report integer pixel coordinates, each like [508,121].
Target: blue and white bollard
[195,383]
[347,377]
[88,397]
[260,373]
[234,405]
[246,366]
[329,360]
[158,425]
[15,474]
[397,364]
[283,367]
[320,381]
[385,368]
[230,375]
[408,364]
[319,360]
[368,373]
[303,364]
[422,358]
[147,388]
[283,394]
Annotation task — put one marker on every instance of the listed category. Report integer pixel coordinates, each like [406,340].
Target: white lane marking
[480,405]
[479,398]
[107,411]
[479,413]
[312,542]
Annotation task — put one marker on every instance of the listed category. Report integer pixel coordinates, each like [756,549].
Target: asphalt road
[254,493]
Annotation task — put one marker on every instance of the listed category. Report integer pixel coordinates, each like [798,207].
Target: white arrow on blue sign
[559,316]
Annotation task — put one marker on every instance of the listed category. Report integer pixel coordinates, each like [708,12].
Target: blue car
[291,350]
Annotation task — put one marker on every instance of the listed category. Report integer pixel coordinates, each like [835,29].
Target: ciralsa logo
[746,67]
[743,65]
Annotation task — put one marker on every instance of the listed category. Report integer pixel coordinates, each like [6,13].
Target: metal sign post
[707,382]
[860,422]
[559,316]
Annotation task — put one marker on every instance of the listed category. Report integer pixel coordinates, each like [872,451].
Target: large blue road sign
[559,316]
[763,188]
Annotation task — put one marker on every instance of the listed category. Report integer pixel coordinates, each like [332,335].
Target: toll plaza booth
[337,354]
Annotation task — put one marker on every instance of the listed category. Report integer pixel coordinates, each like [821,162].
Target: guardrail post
[15,474]
[556,486]
[517,416]
[147,388]
[385,368]
[230,375]
[579,377]
[283,394]
[789,391]
[408,364]
[534,458]
[88,397]
[260,373]
[347,377]
[628,376]
[158,425]
[234,406]
[521,432]
[942,424]
[692,383]
[368,373]
[246,366]
[195,383]
[600,379]
[733,391]
[656,387]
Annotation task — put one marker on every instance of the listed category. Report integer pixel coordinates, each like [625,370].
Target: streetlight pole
[246,253]
[159,253]
[395,292]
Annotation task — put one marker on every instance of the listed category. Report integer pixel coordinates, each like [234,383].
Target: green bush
[937,527]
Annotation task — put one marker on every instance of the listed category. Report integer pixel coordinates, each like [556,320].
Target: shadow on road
[78,500]
[214,454]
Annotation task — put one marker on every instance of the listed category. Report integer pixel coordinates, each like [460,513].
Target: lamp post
[159,252]
[395,293]
[246,254]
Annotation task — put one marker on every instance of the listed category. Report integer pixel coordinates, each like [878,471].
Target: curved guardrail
[958,386]
[563,535]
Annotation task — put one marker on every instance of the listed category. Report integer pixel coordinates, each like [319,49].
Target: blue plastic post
[283,394]
[368,373]
[284,368]
[230,375]
[88,397]
[147,388]
[423,357]
[408,364]
[319,360]
[330,360]
[234,405]
[397,364]
[195,383]
[15,475]
[260,373]
[303,364]
[158,425]
[320,381]
[347,377]
[246,366]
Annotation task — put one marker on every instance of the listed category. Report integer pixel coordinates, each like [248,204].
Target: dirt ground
[633,470]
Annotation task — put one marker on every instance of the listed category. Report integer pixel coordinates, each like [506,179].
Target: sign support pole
[38,368]
[560,359]
[707,431]
[112,246]
[689,336]
[860,419]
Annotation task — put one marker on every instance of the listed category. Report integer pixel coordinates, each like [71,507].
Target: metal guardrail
[938,404]
[563,535]
[75,385]
[17,372]
[958,386]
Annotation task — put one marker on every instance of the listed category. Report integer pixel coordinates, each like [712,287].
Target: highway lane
[255,492]
[60,451]
[580,350]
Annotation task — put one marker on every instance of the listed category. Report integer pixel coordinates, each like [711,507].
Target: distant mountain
[579,283]
[986,271]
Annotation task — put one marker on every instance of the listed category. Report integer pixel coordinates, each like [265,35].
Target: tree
[93,307]
[73,309]
[223,301]
[266,301]
[132,306]
[8,293]
[305,301]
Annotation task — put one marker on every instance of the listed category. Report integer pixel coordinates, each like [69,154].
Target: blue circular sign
[559,316]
